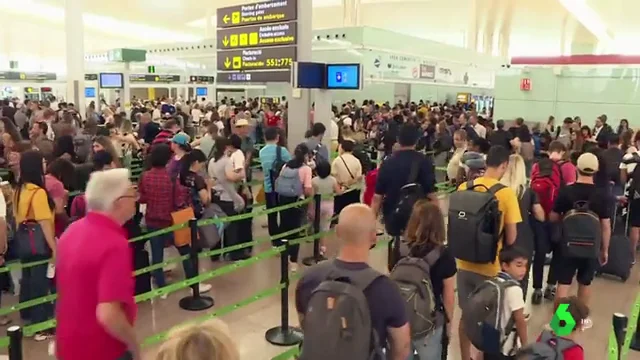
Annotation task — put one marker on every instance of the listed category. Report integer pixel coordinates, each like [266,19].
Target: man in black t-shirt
[583,189]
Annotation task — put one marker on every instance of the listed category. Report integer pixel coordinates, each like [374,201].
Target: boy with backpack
[548,176]
[584,214]
[483,218]
[551,346]
[494,313]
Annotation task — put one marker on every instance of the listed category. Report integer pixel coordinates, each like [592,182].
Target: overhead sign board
[91,77]
[137,78]
[258,13]
[201,79]
[25,76]
[257,36]
[257,59]
[254,77]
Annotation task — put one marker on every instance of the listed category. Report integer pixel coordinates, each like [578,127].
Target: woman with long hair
[515,177]
[59,180]
[291,218]
[623,126]
[460,147]
[425,236]
[103,143]
[32,203]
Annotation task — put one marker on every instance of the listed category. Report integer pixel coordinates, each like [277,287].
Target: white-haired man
[95,308]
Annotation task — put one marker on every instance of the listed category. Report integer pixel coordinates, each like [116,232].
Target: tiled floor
[248,324]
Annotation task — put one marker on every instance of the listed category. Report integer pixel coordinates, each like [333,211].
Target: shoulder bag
[181,237]
[29,238]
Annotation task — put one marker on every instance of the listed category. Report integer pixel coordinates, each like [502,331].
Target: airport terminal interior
[251,128]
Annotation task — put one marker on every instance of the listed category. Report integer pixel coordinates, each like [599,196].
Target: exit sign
[525,84]
[151,69]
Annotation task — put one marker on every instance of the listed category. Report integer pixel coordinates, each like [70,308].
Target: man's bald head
[356,224]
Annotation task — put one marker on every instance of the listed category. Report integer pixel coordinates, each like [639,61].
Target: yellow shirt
[40,209]
[510,211]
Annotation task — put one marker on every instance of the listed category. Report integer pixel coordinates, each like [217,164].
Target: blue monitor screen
[311,75]
[111,80]
[90,92]
[201,91]
[343,76]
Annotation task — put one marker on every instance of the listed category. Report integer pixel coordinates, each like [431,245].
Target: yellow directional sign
[227,63]
[258,36]
[258,12]
[237,62]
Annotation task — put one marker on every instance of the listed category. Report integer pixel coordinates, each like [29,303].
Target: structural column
[299,101]
[351,12]
[74,33]
[504,37]
[209,29]
[471,38]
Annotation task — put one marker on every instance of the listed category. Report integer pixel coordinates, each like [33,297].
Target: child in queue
[325,185]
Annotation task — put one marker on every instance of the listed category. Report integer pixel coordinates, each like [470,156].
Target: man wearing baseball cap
[581,193]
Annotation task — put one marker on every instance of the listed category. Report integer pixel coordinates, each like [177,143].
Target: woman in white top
[196,113]
[347,170]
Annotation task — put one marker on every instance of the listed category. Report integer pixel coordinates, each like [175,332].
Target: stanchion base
[277,336]
[199,303]
[635,343]
[309,261]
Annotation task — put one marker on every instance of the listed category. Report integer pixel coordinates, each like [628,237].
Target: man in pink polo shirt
[95,307]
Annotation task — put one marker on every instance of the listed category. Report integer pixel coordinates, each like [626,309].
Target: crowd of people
[524,192]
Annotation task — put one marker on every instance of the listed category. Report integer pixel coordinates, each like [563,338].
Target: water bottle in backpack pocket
[482,315]
[581,232]
[473,229]
[413,277]
[337,322]
[289,184]
[548,347]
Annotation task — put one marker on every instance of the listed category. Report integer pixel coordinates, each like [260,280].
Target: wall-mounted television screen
[311,75]
[201,91]
[89,92]
[111,80]
[343,76]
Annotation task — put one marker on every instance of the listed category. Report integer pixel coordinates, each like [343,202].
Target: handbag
[29,238]
[181,237]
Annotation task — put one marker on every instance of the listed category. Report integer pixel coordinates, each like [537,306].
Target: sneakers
[43,335]
[550,292]
[536,298]
[587,323]
[203,288]
[293,267]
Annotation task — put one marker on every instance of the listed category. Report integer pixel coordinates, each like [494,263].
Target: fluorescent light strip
[100,23]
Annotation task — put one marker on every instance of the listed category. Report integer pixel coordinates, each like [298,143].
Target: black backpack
[482,315]
[548,347]
[363,157]
[474,223]
[277,166]
[581,232]
[409,195]
[337,322]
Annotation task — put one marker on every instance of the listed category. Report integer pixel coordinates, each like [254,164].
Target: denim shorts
[429,348]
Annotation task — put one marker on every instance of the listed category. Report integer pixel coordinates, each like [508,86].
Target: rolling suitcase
[620,256]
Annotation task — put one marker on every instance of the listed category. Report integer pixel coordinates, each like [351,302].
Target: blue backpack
[289,184]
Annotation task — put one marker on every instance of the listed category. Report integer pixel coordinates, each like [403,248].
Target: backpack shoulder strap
[413,175]
[329,271]
[278,153]
[433,256]
[497,187]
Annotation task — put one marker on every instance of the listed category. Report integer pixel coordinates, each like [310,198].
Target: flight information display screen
[111,80]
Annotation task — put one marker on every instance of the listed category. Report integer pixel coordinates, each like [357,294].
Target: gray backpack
[474,223]
[337,322]
[482,315]
[549,347]
[413,277]
[289,183]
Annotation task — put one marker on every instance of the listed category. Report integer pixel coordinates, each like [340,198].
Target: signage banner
[91,77]
[254,76]
[202,79]
[25,76]
[258,13]
[137,78]
[259,35]
[427,72]
[257,59]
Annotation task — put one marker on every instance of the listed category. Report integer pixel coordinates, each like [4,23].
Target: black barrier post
[195,302]
[15,342]
[284,335]
[317,257]
[620,322]
[635,341]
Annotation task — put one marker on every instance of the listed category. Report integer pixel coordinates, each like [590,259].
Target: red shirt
[56,190]
[92,270]
[156,191]
[370,186]
[163,137]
